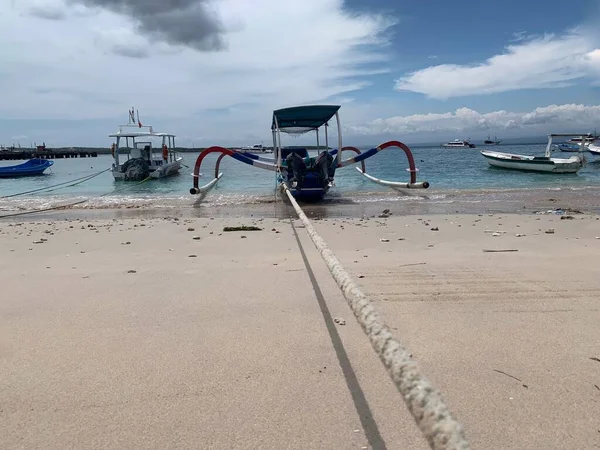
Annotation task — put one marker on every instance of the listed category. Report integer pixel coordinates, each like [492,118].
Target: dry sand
[113,336]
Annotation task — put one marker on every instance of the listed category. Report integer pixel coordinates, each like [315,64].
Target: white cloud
[535,63]
[553,118]
[91,66]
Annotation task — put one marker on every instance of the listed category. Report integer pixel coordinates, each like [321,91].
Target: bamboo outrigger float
[307,177]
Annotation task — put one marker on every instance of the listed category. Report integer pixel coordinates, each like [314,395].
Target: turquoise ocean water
[447,170]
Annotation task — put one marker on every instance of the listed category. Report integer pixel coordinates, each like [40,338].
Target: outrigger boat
[307,177]
[143,161]
[544,163]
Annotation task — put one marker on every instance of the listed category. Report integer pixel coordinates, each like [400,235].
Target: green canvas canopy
[303,118]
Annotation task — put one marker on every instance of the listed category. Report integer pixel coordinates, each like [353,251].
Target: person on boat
[165,152]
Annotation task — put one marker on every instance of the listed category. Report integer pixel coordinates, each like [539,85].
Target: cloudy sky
[213,71]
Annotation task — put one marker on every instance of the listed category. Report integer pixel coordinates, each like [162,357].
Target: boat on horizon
[528,163]
[30,168]
[256,148]
[304,176]
[490,141]
[143,160]
[459,143]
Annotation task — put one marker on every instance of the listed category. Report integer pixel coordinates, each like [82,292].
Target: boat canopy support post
[339,127]
[549,146]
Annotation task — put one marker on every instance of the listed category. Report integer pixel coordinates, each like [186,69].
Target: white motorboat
[136,142]
[257,148]
[459,143]
[594,149]
[529,163]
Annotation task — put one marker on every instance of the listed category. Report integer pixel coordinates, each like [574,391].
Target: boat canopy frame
[302,119]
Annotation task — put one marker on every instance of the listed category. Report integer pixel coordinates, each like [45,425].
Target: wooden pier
[8,155]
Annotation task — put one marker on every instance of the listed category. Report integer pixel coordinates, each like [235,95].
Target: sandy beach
[167,332]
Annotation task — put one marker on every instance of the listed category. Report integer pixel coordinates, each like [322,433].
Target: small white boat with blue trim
[307,177]
[135,141]
[545,163]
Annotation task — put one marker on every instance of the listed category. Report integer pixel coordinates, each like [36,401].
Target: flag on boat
[132,115]
[139,123]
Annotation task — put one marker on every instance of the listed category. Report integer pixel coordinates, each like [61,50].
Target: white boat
[594,149]
[136,142]
[587,139]
[459,143]
[257,148]
[545,163]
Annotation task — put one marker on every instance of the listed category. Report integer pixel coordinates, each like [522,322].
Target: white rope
[425,403]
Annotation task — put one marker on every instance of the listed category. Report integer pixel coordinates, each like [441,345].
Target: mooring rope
[425,403]
[75,181]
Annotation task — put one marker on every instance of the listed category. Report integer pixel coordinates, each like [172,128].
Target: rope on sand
[425,403]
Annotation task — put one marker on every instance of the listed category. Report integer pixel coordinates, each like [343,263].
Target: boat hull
[533,164]
[156,171]
[31,168]
[594,149]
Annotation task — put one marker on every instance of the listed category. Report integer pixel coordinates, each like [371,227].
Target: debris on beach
[435,229]
[520,235]
[196,238]
[567,218]
[549,231]
[242,228]
[339,321]
[384,240]
[132,271]
[190,229]
[500,251]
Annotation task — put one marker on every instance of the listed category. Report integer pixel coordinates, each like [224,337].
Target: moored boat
[302,175]
[594,149]
[529,163]
[29,168]
[144,161]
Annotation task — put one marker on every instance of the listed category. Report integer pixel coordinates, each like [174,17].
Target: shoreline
[352,205]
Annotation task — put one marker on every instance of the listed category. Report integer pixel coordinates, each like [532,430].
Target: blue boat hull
[29,168]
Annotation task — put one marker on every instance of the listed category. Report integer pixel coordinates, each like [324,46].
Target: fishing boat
[29,168]
[490,141]
[569,148]
[135,144]
[307,177]
[459,143]
[545,163]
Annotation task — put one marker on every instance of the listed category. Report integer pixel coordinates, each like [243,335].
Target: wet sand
[160,333]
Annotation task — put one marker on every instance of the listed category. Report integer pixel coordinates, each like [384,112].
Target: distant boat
[589,139]
[528,163]
[572,148]
[29,168]
[489,141]
[458,143]
[257,148]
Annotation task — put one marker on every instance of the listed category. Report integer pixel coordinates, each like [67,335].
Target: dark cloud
[179,22]
[47,12]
